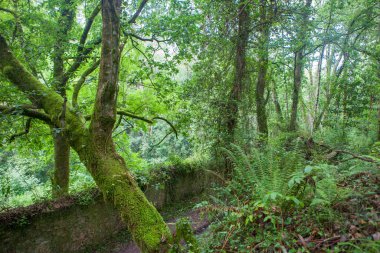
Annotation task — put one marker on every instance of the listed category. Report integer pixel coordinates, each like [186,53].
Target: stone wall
[74,223]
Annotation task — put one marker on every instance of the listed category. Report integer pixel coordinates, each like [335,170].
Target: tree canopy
[99,92]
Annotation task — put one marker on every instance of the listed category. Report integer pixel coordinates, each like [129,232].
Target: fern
[262,173]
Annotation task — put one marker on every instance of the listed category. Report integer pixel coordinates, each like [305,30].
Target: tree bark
[264,33]
[378,120]
[298,65]
[277,105]
[60,180]
[240,71]
[319,70]
[95,146]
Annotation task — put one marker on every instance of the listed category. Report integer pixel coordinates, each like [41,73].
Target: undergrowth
[276,201]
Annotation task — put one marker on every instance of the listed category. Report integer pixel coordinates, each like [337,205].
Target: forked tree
[94,144]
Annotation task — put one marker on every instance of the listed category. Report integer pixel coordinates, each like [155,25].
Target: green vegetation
[278,100]
[308,206]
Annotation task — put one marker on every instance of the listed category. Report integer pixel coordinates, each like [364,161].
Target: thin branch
[88,25]
[334,152]
[138,12]
[26,130]
[149,121]
[82,51]
[26,110]
[363,158]
[170,124]
[152,39]
[130,115]
[82,79]
[118,122]
[81,55]
[158,143]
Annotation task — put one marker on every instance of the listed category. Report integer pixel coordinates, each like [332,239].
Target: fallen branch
[363,158]
[335,152]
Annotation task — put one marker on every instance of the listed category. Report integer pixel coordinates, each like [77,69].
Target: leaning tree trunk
[95,146]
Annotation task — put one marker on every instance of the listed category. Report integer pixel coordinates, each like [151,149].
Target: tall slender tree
[301,38]
[240,74]
[266,15]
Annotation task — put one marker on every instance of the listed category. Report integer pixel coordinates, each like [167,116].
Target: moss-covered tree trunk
[94,145]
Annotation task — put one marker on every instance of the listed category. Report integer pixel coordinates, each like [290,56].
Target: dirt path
[199,223]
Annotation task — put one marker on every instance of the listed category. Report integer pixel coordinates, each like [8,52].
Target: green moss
[185,232]
[146,225]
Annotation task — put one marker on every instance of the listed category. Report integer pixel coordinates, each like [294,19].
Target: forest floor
[122,242]
[354,226]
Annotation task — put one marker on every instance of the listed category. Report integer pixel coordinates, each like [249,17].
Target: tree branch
[26,110]
[131,115]
[152,39]
[87,27]
[149,121]
[26,131]
[9,11]
[104,113]
[82,51]
[137,13]
[360,157]
[158,143]
[170,124]
[334,152]
[42,96]
[81,55]
[80,82]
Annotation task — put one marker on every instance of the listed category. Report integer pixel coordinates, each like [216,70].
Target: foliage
[272,195]
[185,232]
[176,85]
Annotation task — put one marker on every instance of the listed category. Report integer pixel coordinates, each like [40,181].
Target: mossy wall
[74,223]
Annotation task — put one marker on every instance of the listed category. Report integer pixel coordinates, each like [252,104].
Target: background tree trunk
[60,180]
[263,40]
[240,70]
[298,68]
[298,65]
[277,105]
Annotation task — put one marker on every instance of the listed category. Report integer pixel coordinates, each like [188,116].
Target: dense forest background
[282,97]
